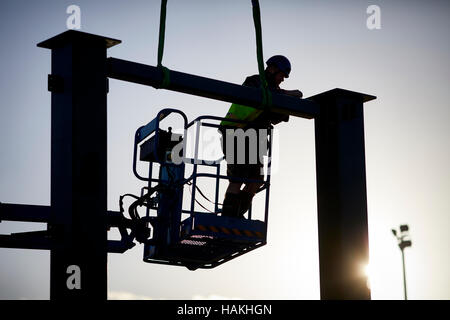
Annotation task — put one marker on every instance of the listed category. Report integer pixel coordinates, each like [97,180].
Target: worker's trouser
[244,150]
[236,204]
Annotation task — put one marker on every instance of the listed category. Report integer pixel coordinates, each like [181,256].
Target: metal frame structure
[78,218]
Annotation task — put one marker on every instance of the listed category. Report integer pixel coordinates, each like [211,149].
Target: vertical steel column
[78,265]
[341,193]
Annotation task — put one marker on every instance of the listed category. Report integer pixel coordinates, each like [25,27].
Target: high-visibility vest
[240,112]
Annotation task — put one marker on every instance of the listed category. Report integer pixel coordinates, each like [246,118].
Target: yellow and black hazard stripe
[229,231]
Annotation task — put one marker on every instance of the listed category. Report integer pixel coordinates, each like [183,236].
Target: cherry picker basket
[186,236]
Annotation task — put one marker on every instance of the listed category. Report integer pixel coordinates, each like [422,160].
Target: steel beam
[42,240]
[27,240]
[209,88]
[341,194]
[24,212]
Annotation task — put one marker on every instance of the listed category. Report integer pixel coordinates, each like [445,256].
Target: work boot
[230,207]
[245,202]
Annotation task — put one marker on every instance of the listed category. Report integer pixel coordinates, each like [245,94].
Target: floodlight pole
[402,244]
[404,274]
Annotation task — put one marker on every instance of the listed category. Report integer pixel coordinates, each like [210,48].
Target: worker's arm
[293,93]
[276,118]
[273,117]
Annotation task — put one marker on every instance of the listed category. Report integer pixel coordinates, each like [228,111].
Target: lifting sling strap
[247,113]
[162,30]
[266,94]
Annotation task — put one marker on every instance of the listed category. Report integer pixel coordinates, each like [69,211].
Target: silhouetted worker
[237,201]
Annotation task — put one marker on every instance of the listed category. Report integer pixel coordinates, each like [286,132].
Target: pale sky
[405,64]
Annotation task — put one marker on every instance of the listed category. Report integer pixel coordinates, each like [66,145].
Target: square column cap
[75,36]
[338,92]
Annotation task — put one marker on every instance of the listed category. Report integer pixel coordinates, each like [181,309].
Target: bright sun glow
[367,271]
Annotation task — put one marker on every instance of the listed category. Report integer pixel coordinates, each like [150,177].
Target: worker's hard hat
[281,62]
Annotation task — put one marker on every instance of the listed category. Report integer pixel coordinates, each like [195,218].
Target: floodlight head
[405,244]
[404,228]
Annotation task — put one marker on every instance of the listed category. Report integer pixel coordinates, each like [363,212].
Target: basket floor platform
[208,240]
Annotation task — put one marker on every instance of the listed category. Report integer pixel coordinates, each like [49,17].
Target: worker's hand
[294,93]
[276,118]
